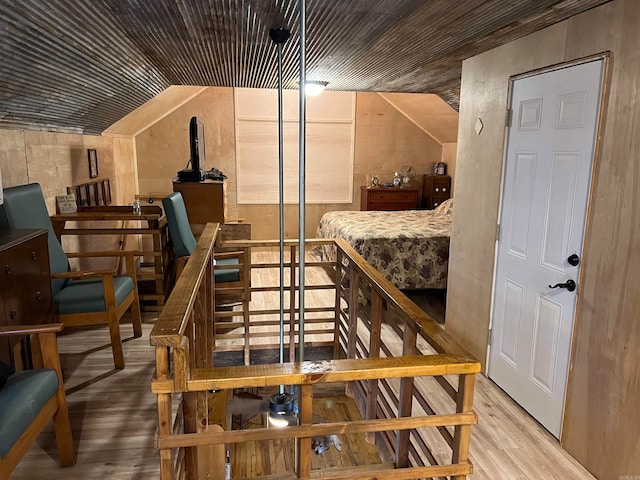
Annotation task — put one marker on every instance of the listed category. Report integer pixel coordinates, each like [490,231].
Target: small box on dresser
[435,190]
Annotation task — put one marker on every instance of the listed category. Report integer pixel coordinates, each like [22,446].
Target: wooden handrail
[439,339]
[326,371]
[109,213]
[172,322]
[274,243]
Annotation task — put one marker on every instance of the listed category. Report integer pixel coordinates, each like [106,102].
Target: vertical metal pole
[279,36]
[281,203]
[301,205]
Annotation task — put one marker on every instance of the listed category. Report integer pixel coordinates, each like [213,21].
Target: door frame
[604,100]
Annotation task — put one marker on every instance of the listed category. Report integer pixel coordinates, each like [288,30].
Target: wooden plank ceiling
[81,65]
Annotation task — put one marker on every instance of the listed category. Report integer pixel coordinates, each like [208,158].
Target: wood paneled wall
[602,416]
[385,140]
[163,149]
[57,160]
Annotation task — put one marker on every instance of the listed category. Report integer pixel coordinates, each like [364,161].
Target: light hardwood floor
[113,419]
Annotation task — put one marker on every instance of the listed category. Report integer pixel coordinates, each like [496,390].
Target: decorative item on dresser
[25,286]
[435,190]
[383,198]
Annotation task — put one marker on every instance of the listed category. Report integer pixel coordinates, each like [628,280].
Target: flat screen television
[198,153]
[197,143]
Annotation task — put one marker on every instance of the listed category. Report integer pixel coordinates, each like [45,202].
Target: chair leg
[136,318]
[116,340]
[61,423]
[62,427]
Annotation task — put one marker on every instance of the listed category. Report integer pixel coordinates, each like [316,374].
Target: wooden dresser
[25,286]
[435,190]
[381,198]
[205,202]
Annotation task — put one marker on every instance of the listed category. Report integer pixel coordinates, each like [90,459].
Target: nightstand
[435,190]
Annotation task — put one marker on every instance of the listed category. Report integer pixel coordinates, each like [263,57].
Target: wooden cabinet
[204,201]
[381,198]
[25,286]
[435,190]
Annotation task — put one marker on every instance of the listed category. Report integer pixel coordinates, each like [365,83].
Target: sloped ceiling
[154,110]
[429,113]
[82,65]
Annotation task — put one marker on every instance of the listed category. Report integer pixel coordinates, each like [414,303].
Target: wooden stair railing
[388,305]
[389,386]
[254,322]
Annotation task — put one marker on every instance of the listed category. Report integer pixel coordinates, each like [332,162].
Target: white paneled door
[549,158]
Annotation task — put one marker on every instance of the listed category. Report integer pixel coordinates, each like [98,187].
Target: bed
[410,248]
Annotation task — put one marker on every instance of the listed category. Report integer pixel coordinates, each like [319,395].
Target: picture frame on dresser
[75,191]
[106,191]
[83,195]
[99,195]
[92,194]
[66,204]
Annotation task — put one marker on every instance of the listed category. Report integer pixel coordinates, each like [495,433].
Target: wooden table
[156,226]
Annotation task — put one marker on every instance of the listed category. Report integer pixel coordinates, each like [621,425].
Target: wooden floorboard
[113,412]
[113,419]
[277,458]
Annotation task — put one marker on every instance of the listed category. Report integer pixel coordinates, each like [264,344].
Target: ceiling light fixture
[313,88]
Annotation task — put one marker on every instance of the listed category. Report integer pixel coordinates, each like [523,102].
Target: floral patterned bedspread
[410,248]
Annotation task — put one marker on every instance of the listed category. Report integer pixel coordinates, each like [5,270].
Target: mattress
[410,248]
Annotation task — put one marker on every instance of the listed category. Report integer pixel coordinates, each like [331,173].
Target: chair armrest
[45,343]
[108,254]
[223,255]
[31,329]
[83,274]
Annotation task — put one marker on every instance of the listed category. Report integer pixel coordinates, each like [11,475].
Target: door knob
[573,260]
[569,285]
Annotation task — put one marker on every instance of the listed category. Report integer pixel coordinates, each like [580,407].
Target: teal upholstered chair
[80,298]
[184,242]
[31,398]
[231,285]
